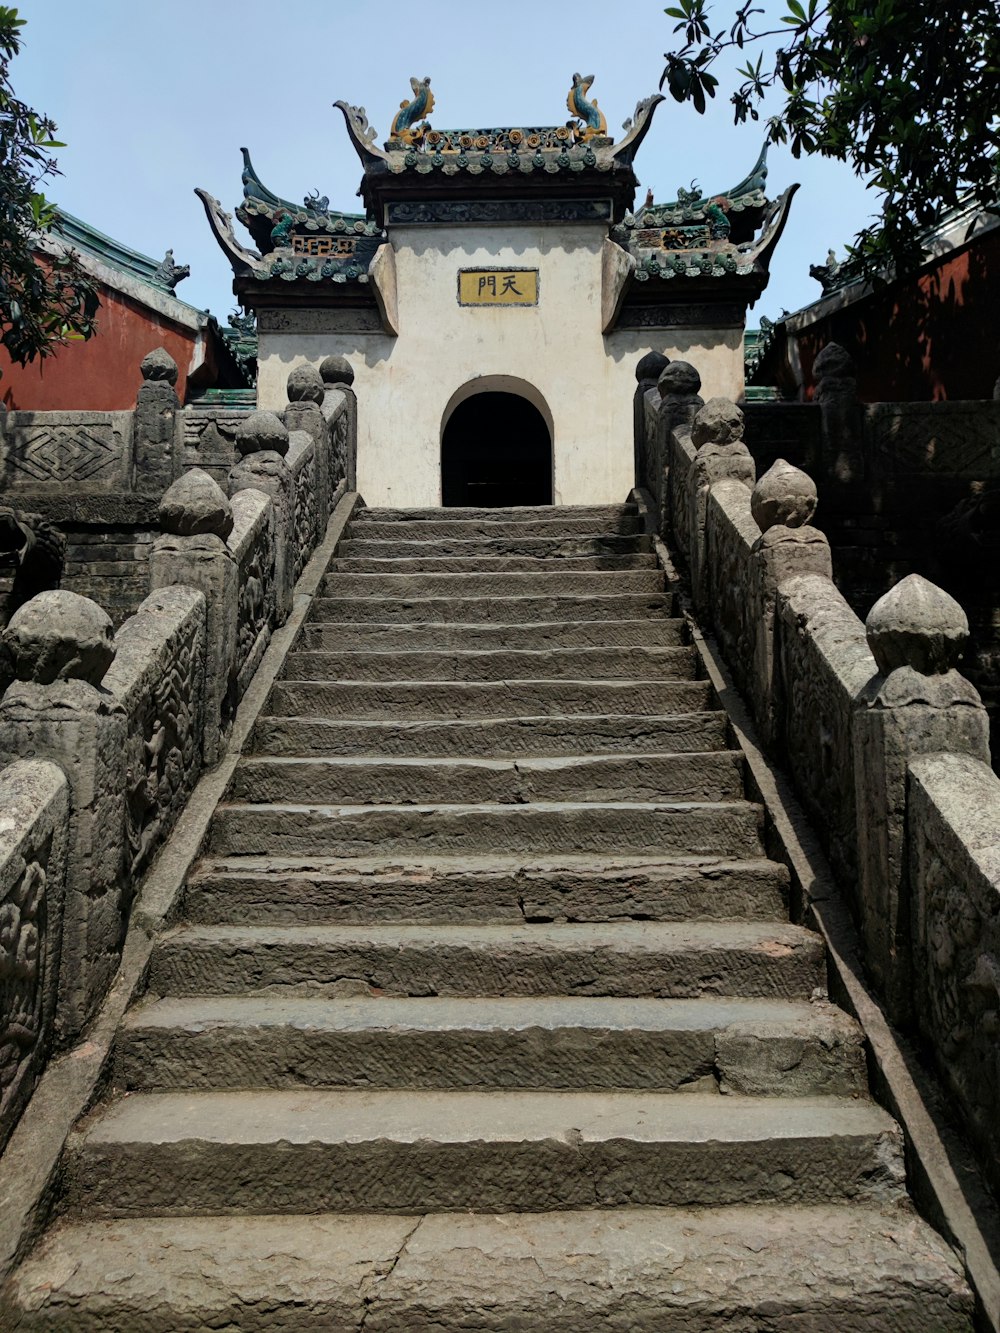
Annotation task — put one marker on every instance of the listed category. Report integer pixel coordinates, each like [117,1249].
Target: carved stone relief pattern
[209,442]
[728,574]
[958,966]
[256,603]
[306,512]
[936,438]
[817,732]
[338,449]
[163,746]
[90,449]
[24,1005]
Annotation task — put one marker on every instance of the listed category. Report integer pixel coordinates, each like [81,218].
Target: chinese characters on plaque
[498,286]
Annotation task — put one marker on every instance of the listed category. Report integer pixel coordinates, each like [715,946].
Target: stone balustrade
[886,741]
[104,732]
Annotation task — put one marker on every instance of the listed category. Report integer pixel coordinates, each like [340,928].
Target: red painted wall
[932,339]
[102,374]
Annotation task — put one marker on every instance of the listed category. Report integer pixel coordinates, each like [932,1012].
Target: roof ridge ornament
[577,103]
[409,124]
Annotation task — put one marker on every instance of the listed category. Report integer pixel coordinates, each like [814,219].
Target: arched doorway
[496,450]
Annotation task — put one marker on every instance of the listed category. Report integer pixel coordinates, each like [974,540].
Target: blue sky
[155,98]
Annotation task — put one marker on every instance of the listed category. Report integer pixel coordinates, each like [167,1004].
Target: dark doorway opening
[496,450]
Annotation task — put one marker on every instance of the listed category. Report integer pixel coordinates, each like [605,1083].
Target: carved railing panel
[252,545]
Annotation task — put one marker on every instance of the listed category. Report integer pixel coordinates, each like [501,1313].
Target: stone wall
[105,732]
[911,487]
[886,742]
[98,476]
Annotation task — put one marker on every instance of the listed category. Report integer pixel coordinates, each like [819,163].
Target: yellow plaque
[498,286]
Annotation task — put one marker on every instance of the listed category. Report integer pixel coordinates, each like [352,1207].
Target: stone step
[389,781]
[752,1047]
[501,738]
[583,525]
[673,663]
[548,583]
[400,1151]
[691,828]
[419,699]
[496,514]
[555,548]
[506,610]
[312,891]
[820,1268]
[537,637]
[752,959]
[431,563]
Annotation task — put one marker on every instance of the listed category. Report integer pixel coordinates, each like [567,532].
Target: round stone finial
[720,421]
[305,385]
[651,367]
[159,365]
[916,624]
[262,431]
[195,505]
[336,370]
[784,494]
[679,379]
[60,635]
[834,362]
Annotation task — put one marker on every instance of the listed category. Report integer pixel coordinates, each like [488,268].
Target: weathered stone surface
[34,832]
[336,371]
[195,505]
[268,472]
[783,495]
[650,367]
[917,624]
[678,379]
[262,432]
[684,960]
[59,635]
[159,366]
[485,889]
[305,385]
[720,421]
[847,1268]
[777,1048]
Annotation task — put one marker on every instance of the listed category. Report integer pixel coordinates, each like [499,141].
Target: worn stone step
[424,699]
[431,563]
[753,959]
[537,637]
[501,610]
[693,828]
[583,525]
[496,514]
[469,584]
[388,781]
[555,548]
[311,890]
[399,1151]
[820,1268]
[753,1047]
[673,663]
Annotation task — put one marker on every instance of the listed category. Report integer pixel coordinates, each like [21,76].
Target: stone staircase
[485,1011]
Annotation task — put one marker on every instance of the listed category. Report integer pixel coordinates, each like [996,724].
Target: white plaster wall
[585,379]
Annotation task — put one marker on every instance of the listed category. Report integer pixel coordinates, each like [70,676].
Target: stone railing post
[337,375]
[843,423]
[262,441]
[717,435]
[195,519]
[61,646]
[304,412]
[155,449]
[917,704]
[647,372]
[783,503]
[671,408]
